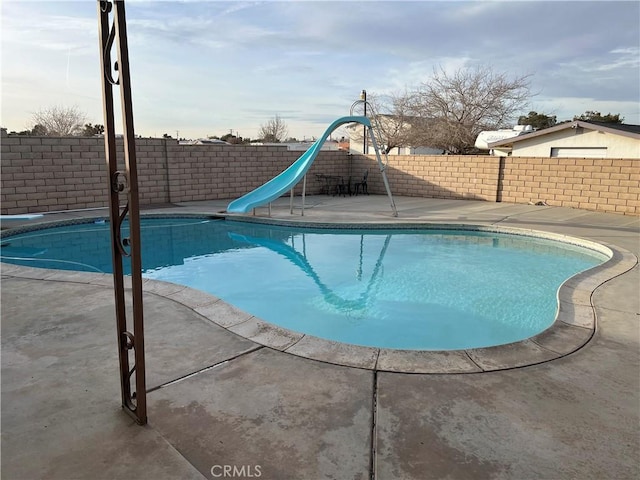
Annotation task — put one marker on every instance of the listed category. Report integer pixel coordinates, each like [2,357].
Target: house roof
[619,126]
[626,130]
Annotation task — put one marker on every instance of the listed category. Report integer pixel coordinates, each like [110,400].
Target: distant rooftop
[625,127]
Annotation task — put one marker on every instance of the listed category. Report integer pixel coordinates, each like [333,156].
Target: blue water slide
[284,182]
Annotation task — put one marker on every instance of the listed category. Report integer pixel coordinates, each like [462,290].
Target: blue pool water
[405,289]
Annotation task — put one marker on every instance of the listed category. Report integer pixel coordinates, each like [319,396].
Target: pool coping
[574,325]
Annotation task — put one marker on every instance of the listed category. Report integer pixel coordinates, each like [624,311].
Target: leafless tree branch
[274,130]
[58,121]
[462,104]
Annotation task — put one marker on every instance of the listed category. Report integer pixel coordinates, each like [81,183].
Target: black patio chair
[344,188]
[362,185]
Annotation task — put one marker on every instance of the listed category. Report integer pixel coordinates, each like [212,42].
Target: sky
[205,68]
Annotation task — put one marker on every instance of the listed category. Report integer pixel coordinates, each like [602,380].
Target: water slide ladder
[372,129]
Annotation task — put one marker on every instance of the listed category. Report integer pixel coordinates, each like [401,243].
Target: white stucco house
[577,139]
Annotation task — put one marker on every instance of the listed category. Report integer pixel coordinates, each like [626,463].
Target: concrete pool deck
[257,412]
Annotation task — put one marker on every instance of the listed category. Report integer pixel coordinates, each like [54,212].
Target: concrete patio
[224,406]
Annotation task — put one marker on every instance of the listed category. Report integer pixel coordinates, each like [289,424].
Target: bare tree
[392,119]
[58,121]
[275,130]
[396,125]
[462,104]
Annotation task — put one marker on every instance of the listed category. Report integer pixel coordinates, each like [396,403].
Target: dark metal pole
[134,395]
[363,96]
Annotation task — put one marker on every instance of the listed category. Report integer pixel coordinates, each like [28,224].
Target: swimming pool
[399,288]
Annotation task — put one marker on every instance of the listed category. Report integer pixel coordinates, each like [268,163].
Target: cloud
[409,76]
[208,66]
[619,58]
[21,28]
[565,108]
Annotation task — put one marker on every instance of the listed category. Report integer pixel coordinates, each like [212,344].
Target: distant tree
[461,104]
[58,121]
[91,130]
[38,131]
[231,138]
[274,130]
[538,121]
[591,116]
[166,135]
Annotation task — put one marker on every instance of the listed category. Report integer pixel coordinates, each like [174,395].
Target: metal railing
[373,121]
[125,183]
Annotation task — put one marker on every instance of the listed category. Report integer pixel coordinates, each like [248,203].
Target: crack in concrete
[205,369]
[374,413]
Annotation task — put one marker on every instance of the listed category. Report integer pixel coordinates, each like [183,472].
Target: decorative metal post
[125,183]
[363,97]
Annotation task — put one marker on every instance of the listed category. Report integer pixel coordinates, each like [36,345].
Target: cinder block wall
[437,176]
[44,174]
[206,172]
[604,185]
[41,174]
[600,184]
